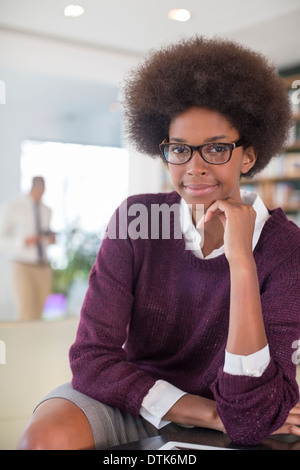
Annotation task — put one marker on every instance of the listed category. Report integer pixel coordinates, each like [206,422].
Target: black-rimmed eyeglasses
[216,153]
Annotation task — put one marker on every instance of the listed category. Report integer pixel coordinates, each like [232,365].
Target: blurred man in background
[24,236]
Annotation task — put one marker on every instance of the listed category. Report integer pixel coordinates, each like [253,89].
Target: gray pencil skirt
[110,426]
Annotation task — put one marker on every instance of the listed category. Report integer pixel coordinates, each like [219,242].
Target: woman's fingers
[291,426]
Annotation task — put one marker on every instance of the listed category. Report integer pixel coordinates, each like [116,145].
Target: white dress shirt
[162,396]
[17,222]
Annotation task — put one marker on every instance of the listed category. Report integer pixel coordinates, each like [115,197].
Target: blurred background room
[62,68]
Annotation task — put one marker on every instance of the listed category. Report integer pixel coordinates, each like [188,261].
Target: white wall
[145,174]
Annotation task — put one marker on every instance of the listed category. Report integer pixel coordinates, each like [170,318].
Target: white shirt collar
[193,238]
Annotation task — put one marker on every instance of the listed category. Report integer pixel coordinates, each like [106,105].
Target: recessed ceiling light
[179,14]
[73,11]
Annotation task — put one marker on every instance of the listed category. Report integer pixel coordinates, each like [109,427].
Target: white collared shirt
[17,222]
[193,237]
[162,396]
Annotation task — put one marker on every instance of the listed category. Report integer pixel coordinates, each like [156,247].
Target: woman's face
[197,181]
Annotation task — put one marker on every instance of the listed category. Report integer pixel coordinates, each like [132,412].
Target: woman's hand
[238,220]
[33,240]
[246,334]
[292,422]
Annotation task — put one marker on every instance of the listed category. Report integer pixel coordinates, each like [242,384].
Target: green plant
[80,250]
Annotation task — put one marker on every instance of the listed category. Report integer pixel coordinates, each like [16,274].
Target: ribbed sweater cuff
[231,387]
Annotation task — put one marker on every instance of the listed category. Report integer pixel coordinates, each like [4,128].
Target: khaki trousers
[32,284]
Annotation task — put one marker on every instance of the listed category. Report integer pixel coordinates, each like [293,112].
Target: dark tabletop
[212,438]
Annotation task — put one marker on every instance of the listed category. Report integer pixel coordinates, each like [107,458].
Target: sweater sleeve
[98,360]
[252,408]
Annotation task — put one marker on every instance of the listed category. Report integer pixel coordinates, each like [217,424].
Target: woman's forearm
[197,411]
[246,333]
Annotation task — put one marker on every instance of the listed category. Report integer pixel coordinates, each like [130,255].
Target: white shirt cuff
[253,365]
[160,398]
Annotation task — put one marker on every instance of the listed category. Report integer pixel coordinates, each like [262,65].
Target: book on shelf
[283,166]
[292,164]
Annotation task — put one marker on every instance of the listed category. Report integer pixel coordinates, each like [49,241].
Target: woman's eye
[218,148]
[179,149]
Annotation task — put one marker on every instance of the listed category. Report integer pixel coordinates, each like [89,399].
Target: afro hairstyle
[217,74]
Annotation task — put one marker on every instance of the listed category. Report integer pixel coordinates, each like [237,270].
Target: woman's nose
[197,166]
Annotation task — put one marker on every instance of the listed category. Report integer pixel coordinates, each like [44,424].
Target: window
[84,185]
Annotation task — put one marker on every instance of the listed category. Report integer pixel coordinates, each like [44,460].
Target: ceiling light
[73,11]
[179,14]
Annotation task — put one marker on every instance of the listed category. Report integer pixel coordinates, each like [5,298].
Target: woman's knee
[57,424]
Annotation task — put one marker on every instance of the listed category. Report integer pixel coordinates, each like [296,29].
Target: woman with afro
[196,330]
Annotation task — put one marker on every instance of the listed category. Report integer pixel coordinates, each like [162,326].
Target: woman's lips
[200,189]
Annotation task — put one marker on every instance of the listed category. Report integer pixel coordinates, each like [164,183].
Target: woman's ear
[249,159]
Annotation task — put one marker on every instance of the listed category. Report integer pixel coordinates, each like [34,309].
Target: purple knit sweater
[155,311]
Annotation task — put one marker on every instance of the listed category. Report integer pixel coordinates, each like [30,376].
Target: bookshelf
[279,183]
